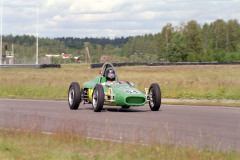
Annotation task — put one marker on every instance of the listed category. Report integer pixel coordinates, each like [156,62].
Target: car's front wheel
[74,95]
[154,97]
[98,98]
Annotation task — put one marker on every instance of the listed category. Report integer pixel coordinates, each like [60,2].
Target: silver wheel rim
[71,96]
[151,98]
[95,98]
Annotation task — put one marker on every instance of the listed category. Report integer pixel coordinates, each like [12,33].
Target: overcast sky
[109,18]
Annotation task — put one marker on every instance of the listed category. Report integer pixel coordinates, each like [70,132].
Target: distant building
[45,60]
[63,55]
[52,55]
[105,58]
[78,59]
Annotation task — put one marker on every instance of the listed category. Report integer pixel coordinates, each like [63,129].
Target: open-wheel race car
[107,89]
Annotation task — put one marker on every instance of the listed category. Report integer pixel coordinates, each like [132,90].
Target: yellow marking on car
[90,91]
[109,91]
[146,90]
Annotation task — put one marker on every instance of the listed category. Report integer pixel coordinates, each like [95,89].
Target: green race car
[107,89]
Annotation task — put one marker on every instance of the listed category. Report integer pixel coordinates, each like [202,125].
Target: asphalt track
[217,128]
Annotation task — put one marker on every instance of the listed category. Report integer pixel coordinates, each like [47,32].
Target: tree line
[25,46]
[218,41]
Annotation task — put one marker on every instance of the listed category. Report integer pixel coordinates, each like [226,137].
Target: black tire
[125,107]
[155,97]
[98,98]
[74,96]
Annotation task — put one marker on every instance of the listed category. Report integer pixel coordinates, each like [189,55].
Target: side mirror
[132,84]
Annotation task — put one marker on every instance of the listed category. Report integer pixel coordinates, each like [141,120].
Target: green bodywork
[123,93]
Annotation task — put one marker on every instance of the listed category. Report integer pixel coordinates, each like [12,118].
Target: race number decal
[132,92]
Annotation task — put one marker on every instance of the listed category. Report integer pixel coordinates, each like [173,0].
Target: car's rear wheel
[98,98]
[74,96]
[154,97]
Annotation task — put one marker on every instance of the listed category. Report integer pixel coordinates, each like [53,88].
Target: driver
[110,75]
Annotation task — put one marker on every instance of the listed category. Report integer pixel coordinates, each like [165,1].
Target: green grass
[28,146]
[185,82]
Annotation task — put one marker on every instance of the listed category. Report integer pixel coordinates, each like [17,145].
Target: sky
[108,18]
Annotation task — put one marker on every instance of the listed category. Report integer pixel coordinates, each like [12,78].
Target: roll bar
[104,68]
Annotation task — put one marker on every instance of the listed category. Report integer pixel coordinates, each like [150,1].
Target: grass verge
[176,82]
[203,102]
[28,145]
